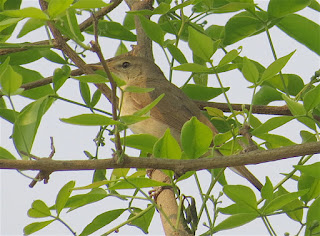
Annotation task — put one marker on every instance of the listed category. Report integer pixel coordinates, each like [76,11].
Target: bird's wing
[174,109]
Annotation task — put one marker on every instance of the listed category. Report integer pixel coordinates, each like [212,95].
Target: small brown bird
[173,110]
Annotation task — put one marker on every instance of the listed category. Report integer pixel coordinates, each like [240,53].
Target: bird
[172,111]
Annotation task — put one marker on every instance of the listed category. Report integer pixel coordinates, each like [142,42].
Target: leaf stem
[128,221]
[275,57]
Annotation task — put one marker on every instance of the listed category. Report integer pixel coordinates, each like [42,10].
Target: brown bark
[178,166]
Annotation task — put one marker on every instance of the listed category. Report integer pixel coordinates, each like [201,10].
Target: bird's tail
[244,172]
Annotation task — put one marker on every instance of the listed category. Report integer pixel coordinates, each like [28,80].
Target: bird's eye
[125,64]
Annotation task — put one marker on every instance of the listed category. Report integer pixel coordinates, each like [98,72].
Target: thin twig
[114,100]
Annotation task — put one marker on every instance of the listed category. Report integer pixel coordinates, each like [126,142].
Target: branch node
[43,175]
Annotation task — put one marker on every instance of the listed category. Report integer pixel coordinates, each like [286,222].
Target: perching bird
[173,110]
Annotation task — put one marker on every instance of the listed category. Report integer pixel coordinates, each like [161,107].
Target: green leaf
[182,5]
[200,79]
[311,184]
[193,67]
[30,25]
[315,5]
[279,202]
[135,89]
[173,27]
[241,194]
[311,170]
[95,98]
[307,136]
[31,12]
[113,30]
[122,49]
[147,108]
[279,9]
[200,44]
[215,32]
[4,154]
[312,98]
[101,220]
[275,67]
[2,2]
[34,227]
[202,93]
[177,54]
[39,210]
[57,7]
[92,78]
[227,67]
[142,222]
[96,184]
[96,194]
[294,209]
[267,190]
[30,76]
[303,30]
[152,30]
[3,66]
[90,120]
[27,123]
[272,124]
[196,138]
[85,4]
[132,119]
[235,221]
[85,93]
[237,209]
[308,121]
[161,9]
[52,56]
[275,140]
[313,218]
[293,83]
[10,81]
[24,57]
[241,26]
[249,71]
[229,57]
[128,22]
[63,196]
[143,142]
[234,6]
[215,112]
[140,182]
[14,4]
[220,139]
[11,22]
[60,76]
[167,147]
[296,108]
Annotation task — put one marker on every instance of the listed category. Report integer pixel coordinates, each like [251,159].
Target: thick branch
[179,166]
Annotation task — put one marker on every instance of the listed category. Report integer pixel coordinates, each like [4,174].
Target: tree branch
[178,166]
[106,91]
[84,25]
[256,109]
